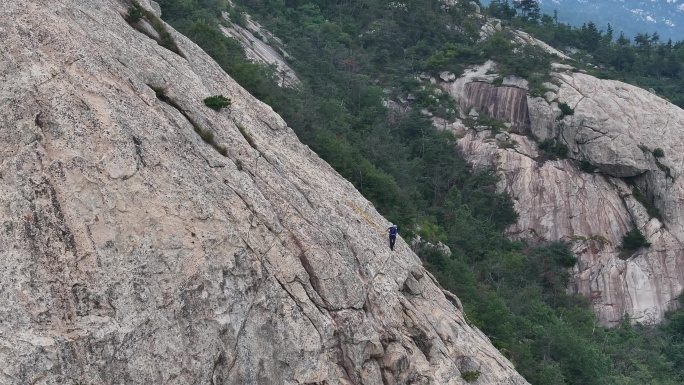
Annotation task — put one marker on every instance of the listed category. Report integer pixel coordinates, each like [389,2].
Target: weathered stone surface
[502,137]
[612,120]
[482,73]
[516,81]
[131,251]
[489,28]
[550,86]
[447,76]
[561,67]
[543,117]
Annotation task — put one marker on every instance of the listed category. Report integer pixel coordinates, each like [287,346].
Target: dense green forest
[353,54]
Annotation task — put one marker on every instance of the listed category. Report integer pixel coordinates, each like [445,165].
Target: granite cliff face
[614,129]
[149,239]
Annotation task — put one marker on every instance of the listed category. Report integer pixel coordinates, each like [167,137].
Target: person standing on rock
[392,235]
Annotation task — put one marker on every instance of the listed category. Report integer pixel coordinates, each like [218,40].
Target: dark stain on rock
[138,151]
[506,103]
[39,120]
[217,375]
[422,340]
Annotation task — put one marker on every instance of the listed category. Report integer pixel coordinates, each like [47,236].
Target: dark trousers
[393,238]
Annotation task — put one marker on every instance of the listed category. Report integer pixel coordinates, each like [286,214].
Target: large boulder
[592,211]
[618,128]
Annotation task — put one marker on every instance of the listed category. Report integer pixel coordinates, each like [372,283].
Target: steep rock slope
[615,128]
[133,251]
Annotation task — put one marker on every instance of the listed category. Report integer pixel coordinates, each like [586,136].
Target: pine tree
[608,37]
[501,9]
[529,9]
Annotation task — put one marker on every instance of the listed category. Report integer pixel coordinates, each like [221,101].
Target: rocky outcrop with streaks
[614,128]
[475,90]
[148,239]
[505,102]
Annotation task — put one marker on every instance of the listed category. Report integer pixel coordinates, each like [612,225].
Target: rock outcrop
[258,48]
[149,239]
[492,26]
[615,129]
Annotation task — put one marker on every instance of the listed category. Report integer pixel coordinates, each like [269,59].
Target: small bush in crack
[658,153]
[586,166]
[217,102]
[553,148]
[565,110]
[470,375]
[634,240]
[246,135]
[135,14]
[645,201]
[207,136]
[508,144]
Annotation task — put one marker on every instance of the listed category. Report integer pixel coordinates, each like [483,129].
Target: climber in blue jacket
[392,235]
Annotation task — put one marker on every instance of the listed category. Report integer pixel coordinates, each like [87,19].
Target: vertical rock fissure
[220,360]
[299,306]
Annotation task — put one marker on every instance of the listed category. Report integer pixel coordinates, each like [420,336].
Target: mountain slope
[149,239]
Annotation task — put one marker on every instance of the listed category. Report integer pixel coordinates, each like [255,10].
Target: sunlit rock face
[148,239]
[614,129]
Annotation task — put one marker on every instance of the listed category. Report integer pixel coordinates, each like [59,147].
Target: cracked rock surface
[134,252]
[615,128]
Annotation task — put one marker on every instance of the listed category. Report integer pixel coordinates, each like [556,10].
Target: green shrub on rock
[135,14]
[565,110]
[471,375]
[554,149]
[217,102]
[634,240]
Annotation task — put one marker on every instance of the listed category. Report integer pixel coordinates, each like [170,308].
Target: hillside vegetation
[353,54]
